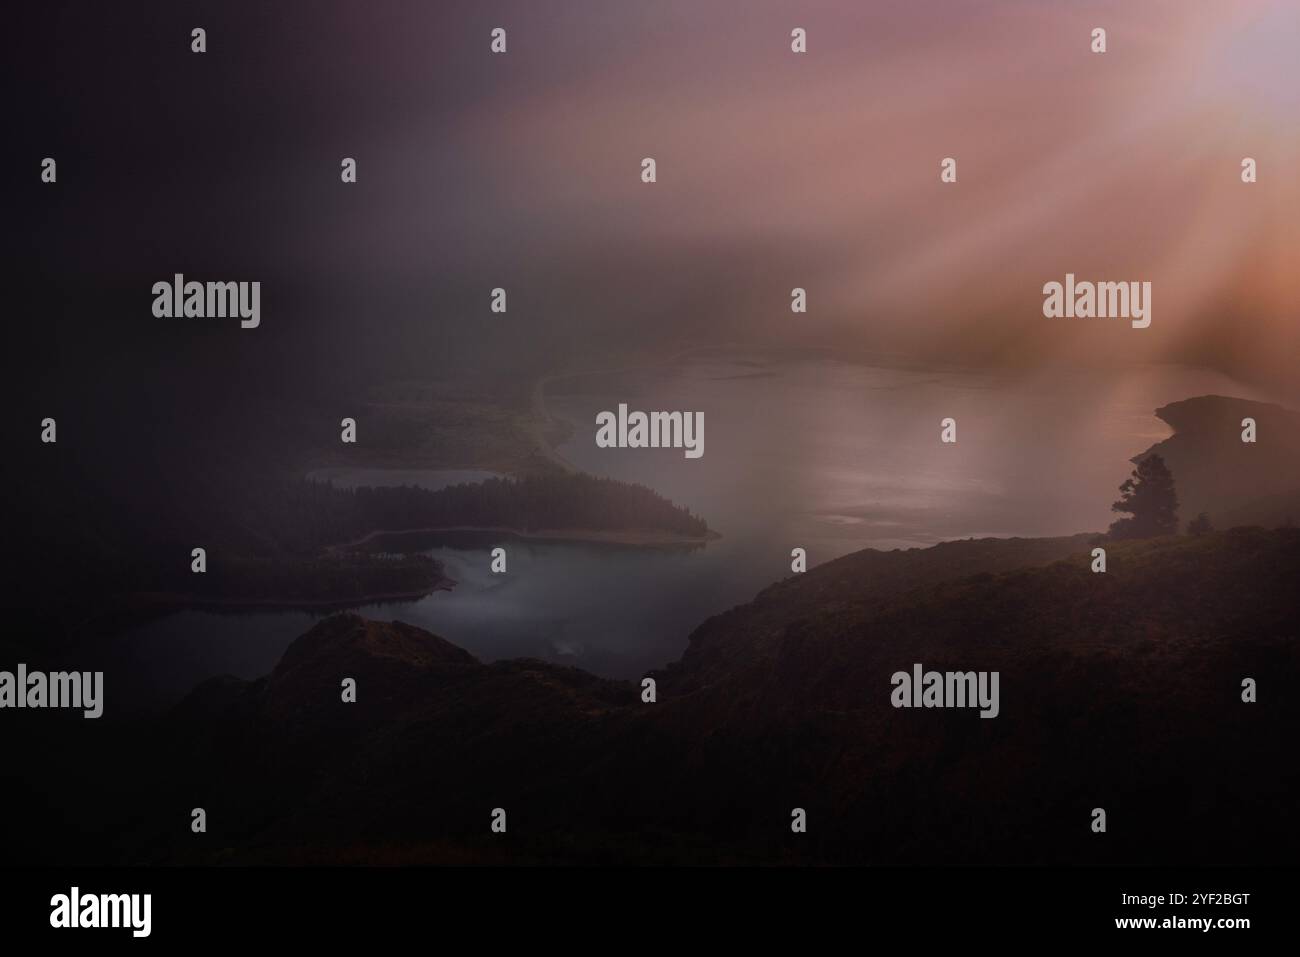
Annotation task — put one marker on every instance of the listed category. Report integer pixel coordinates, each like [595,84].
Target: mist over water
[836,456]
[825,455]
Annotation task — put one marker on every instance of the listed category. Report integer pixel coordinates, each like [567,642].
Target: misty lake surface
[829,456]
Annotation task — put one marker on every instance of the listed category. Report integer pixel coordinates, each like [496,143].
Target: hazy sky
[822,170]
[775,170]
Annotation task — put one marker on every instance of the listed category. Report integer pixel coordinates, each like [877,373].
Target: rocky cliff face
[1235,482]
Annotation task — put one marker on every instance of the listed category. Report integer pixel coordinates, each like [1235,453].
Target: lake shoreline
[630,537]
[151,604]
[140,607]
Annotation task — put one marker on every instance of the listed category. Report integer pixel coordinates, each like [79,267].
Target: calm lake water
[829,456]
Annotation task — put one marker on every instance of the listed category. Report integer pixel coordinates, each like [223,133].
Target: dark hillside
[1119,690]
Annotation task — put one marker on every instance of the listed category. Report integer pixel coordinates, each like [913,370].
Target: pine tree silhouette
[1151,501]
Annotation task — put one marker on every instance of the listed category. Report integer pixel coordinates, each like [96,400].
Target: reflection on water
[828,456]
